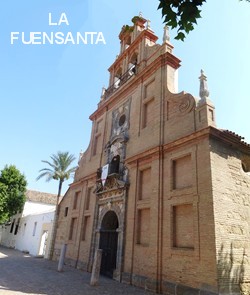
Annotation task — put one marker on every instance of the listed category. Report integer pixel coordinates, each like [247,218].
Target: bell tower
[134,39]
[127,135]
[137,49]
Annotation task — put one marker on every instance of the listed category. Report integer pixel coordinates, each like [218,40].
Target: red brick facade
[173,213]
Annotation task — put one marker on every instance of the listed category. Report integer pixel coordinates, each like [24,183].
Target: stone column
[62,256]
[117,272]
[96,268]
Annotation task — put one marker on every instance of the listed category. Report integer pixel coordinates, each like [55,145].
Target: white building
[30,230]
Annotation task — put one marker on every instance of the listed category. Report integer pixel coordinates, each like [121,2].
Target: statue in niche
[125,174]
[115,149]
[114,166]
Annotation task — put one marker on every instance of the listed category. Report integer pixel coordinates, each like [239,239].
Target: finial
[148,24]
[166,36]
[80,156]
[204,93]
[103,92]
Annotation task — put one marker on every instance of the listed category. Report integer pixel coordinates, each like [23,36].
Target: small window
[17,226]
[12,225]
[76,197]
[66,211]
[34,229]
[88,196]
[72,229]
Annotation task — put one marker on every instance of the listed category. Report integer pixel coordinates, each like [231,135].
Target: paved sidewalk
[22,274]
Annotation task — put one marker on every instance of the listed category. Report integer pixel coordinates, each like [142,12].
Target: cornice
[83,179]
[143,155]
[231,139]
[204,133]
[227,137]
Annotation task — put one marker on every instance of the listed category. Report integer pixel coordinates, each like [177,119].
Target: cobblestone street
[22,274]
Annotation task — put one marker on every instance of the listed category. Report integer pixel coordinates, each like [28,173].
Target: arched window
[132,64]
[117,79]
[127,42]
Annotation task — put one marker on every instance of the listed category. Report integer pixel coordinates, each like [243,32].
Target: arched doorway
[108,243]
[43,243]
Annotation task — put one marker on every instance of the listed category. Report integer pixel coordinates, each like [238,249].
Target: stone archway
[107,222]
[109,243]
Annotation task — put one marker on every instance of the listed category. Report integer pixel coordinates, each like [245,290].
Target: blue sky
[47,92]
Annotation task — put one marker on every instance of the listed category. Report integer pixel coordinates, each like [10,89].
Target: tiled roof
[40,197]
[236,137]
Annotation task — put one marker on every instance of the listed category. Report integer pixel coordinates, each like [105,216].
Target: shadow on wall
[231,271]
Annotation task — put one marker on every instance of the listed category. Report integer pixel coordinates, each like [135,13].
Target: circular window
[122,120]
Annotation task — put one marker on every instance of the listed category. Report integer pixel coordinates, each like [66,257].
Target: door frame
[118,208]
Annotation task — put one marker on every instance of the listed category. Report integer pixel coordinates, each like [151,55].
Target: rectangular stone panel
[149,89]
[86,228]
[145,184]
[182,172]
[148,113]
[72,229]
[183,226]
[143,227]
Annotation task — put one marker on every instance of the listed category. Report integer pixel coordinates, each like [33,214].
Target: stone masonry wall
[231,191]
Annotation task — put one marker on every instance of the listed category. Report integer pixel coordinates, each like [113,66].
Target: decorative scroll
[180,104]
[185,106]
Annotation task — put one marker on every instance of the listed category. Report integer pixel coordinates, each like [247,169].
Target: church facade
[161,190]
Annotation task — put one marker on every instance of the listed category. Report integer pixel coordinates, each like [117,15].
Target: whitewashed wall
[28,239]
